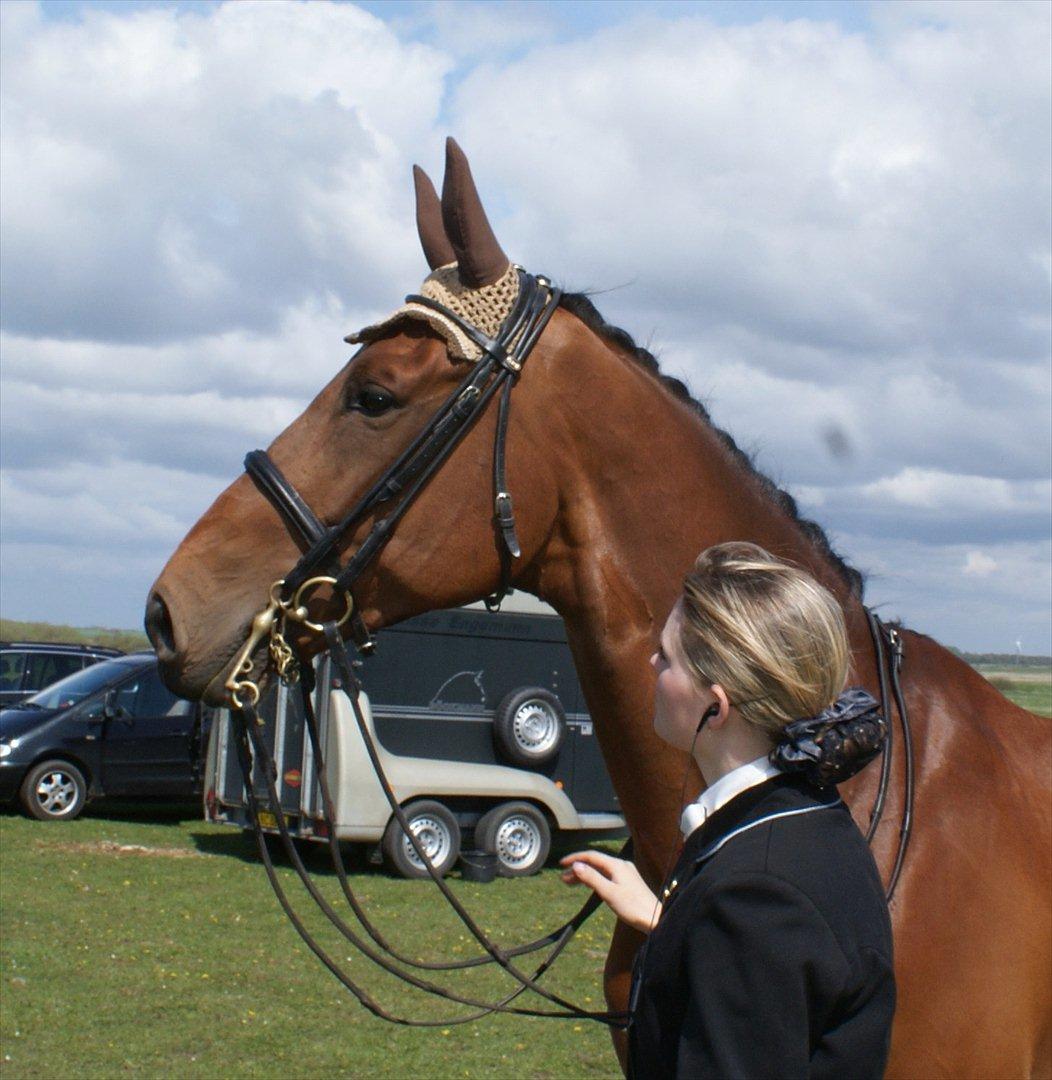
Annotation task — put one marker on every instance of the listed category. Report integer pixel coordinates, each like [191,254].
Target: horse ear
[437,248]
[480,259]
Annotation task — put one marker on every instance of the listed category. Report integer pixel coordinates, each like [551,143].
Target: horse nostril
[159,627]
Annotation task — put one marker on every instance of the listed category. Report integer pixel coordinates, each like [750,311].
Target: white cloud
[167,173]
[293,359]
[838,239]
[82,543]
[121,503]
[469,30]
[930,489]
[203,431]
[976,564]
[791,181]
[923,584]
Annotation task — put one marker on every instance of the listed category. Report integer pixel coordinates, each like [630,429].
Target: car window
[79,685]
[146,696]
[96,710]
[46,668]
[11,666]
[125,696]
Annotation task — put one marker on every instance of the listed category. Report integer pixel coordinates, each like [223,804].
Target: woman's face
[679,701]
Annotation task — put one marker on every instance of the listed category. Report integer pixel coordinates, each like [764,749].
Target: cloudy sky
[831,219]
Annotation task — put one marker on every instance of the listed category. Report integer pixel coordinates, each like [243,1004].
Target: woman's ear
[720,718]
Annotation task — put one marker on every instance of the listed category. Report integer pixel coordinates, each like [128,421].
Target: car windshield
[78,686]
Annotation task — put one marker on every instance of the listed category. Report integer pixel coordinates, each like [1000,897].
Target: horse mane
[579,305]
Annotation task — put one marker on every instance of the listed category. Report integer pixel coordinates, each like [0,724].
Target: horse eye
[372,400]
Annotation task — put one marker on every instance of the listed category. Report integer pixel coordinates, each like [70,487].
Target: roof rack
[62,646]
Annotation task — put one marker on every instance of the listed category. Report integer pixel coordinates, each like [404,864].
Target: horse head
[447,549]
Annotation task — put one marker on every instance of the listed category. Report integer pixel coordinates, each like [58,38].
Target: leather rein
[493,375]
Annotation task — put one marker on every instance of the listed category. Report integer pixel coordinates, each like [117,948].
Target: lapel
[783,794]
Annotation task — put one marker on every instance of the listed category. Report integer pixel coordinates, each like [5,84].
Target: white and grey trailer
[477,724]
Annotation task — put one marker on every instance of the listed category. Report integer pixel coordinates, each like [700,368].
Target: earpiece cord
[710,712]
[658,905]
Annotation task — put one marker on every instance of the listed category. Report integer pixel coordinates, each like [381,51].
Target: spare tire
[529,727]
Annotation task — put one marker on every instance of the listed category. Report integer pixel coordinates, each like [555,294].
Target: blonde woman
[769,953]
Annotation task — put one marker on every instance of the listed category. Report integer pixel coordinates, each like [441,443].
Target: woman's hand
[618,883]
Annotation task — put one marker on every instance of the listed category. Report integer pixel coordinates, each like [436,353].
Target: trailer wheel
[439,835]
[529,726]
[518,834]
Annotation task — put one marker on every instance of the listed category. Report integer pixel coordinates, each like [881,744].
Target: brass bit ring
[297,610]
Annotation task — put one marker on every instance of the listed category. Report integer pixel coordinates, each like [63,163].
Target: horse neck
[646,485]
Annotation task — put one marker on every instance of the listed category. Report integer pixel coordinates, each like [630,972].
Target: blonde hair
[764,630]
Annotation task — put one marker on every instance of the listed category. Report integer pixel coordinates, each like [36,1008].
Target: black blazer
[773,954]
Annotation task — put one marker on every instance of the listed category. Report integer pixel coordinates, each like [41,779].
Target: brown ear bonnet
[470,275]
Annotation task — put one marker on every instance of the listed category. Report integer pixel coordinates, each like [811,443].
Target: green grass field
[139,942]
[1029,687]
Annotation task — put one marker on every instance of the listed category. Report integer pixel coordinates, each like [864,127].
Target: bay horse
[619,480]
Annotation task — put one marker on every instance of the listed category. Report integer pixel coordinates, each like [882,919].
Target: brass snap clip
[244,692]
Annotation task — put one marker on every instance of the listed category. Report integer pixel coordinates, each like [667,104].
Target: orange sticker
[293,777]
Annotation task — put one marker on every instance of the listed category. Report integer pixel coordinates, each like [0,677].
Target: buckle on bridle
[469,395]
[504,509]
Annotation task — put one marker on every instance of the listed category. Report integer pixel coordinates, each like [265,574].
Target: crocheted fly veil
[486,308]
[470,274]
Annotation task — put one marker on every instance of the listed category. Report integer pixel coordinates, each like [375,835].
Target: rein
[252,746]
[493,375]
[888,638]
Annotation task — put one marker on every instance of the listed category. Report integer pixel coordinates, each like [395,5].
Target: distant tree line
[1002,659]
[134,640]
[128,640]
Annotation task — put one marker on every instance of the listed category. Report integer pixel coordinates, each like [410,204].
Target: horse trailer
[480,725]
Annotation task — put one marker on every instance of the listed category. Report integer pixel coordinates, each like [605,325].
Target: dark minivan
[110,729]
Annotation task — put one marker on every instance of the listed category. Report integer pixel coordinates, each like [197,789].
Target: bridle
[495,372]
[493,375]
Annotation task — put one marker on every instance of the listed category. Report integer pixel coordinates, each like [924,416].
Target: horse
[619,479]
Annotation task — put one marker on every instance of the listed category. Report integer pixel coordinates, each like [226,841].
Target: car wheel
[54,791]
[529,727]
[518,834]
[439,835]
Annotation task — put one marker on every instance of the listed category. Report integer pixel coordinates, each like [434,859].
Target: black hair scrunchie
[837,743]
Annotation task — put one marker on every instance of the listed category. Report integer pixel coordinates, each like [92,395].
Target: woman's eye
[372,400]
